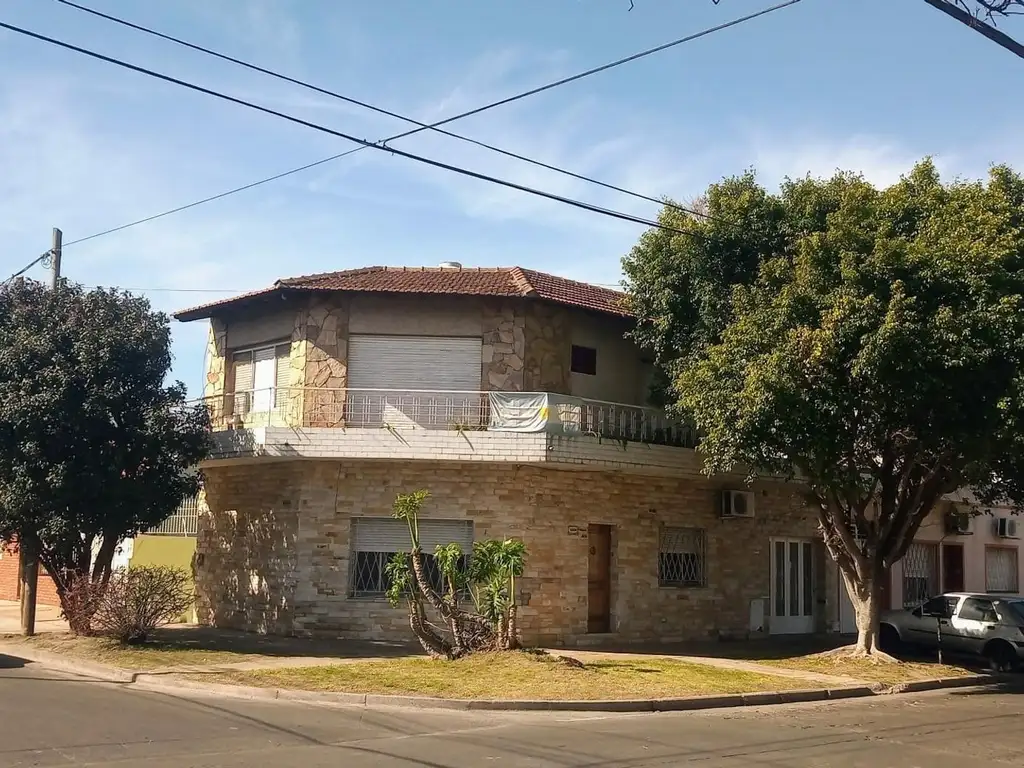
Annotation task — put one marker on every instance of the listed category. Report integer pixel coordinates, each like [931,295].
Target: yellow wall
[173,551]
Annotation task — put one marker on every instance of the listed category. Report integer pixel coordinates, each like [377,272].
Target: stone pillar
[548,349]
[324,362]
[504,346]
[215,388]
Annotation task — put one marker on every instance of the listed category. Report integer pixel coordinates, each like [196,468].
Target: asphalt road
[57,720]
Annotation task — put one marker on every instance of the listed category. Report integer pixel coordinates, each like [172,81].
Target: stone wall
[216,383]
[274,549]
[322,361]
[504,346]
[548,348]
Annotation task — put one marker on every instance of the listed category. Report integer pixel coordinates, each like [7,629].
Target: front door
[792,575]
[599,578]
[952,567]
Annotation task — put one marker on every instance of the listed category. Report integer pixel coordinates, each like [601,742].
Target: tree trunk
[867,603]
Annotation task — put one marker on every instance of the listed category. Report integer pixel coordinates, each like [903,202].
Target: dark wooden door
[599,578]
[952,568]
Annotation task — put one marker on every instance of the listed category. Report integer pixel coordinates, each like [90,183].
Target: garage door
[419,376]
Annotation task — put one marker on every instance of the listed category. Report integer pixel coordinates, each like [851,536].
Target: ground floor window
[920,574]
[682,560]
[1001,572]
[375,540]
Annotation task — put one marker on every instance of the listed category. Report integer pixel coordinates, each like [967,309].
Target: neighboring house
[514,397]
[955,551]
[10,578]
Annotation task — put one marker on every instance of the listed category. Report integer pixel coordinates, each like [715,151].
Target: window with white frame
[682,560]
[375,540]
[1001,571]
[260,375]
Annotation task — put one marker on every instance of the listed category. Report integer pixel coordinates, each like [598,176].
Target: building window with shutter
[262,377]
[1001,569]
[375,540]
[682,560]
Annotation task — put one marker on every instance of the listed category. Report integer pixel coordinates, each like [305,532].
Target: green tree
[94,447]
[870,345]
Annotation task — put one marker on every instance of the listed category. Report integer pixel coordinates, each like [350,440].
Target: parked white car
[991,626]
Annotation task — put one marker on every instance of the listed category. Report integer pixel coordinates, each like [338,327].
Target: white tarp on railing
[518,411]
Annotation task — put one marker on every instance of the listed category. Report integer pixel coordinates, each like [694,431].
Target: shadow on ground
[236,641]
[12,662]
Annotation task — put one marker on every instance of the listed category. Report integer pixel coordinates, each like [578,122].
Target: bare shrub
[79,600]
[138,600]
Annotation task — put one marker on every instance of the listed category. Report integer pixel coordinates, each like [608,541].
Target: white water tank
[450,265]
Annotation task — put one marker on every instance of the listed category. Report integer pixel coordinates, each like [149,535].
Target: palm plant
[490,577]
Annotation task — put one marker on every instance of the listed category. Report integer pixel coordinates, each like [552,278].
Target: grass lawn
[516,675]
[864,669]
[146,656]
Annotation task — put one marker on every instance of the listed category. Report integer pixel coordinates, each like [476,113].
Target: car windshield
[1015,608]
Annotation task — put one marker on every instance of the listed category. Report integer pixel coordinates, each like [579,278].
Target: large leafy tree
[94,447]
[868,343]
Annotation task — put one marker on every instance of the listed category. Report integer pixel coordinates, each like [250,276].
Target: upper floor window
[259,375]
[584,360]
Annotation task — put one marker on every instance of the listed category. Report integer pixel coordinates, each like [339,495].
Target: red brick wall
[9,586]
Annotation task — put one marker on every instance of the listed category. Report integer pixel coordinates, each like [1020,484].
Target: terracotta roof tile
[451,281]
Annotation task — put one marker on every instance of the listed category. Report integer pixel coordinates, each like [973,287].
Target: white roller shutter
[383,534]
[404,363]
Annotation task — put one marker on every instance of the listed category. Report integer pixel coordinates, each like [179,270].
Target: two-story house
[516,399]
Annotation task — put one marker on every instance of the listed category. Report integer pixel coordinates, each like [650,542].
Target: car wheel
[1001,657]
[888,638]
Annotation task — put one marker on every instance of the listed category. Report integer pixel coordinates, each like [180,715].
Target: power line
[437,124]
[425,126]
[27,267]
[348,137]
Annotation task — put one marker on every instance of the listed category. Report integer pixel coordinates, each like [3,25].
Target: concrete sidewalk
[48,618]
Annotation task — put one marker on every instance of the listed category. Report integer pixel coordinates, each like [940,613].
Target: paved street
[52,720]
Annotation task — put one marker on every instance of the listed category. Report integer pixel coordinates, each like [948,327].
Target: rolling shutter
[383,534]
[404,363]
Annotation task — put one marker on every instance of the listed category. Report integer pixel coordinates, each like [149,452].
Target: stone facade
[321,361]
[548,349]
[216,360]
[273,551]
[504,346]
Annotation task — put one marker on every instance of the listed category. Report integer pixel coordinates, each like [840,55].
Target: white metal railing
[448,410]
[183,522]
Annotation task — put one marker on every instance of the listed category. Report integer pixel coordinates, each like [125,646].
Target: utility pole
[28,550]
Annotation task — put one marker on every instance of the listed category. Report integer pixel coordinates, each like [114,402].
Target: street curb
[62,663]
[170,682]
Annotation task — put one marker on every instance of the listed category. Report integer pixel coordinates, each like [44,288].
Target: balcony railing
[448,410]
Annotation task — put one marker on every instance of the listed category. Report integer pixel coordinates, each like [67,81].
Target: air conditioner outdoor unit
[958,523]
[737,504]
[1006,528]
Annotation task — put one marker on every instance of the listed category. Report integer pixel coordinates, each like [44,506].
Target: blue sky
[865,85]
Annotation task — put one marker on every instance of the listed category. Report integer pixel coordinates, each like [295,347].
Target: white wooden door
[792,573]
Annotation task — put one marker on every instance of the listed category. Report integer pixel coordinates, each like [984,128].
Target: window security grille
[376,540]
[920,574]
[682,557]
[1001,570]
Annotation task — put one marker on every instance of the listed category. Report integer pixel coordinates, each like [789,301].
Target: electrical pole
[28,550]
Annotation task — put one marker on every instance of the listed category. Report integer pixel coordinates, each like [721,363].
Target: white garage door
[415,372]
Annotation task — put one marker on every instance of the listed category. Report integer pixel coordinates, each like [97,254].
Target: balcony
[400,412]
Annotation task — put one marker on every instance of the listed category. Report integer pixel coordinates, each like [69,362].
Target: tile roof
[450,281]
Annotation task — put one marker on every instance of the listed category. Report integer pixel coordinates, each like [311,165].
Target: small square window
[584,360]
